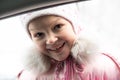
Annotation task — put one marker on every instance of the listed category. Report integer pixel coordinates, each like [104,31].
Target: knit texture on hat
[69,12]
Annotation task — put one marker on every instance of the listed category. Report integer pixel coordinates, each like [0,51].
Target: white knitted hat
[69,11]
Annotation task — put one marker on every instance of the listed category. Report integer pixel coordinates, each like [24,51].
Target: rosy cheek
[41,47]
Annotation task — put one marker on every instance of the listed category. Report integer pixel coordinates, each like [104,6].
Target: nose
[51,39]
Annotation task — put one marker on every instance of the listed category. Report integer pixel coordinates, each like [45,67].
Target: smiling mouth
[57,48]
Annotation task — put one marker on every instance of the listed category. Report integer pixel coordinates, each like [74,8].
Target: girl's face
[53,36]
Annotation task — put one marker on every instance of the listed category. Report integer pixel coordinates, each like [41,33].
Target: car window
[99,20]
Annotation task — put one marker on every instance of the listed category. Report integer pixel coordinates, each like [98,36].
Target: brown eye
[57,27]
[39,35]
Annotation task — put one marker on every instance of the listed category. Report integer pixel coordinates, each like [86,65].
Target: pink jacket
[108,69]
[82,64]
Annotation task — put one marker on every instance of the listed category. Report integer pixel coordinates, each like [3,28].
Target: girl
[60,52]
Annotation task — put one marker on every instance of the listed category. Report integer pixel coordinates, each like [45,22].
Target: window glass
[99,20]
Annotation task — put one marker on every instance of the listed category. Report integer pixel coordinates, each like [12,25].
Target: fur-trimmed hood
[81,51]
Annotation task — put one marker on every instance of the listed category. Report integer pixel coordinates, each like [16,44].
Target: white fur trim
[83,49]
[37,62]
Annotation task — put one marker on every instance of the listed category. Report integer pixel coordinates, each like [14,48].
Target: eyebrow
[33,29]
[58,19]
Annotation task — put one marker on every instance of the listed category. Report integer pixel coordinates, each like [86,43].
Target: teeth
[56,47]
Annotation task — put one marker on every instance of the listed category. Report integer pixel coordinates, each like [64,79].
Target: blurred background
[99,21]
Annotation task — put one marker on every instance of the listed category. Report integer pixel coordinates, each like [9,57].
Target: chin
[62,58]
